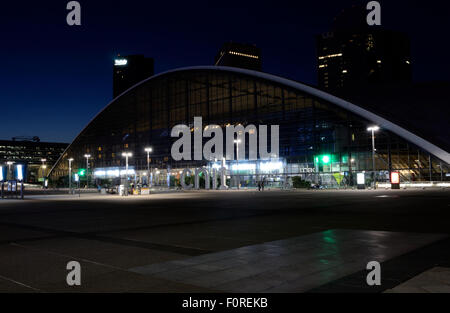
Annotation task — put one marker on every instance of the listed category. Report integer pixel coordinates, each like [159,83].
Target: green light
[326,159]
[81,172]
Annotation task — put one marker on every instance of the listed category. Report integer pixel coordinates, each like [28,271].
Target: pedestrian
[259,186]
[262,185]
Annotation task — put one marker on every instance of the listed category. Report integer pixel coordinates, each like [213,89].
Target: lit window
[243,54]
[330,56]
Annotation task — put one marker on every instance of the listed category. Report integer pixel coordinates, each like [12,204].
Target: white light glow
[120,62]
[113,173]
[19,169]
[243,167]
[217,166]
[360,179]
[1,173]
[271,166]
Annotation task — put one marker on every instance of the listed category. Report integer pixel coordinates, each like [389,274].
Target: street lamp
[70,175]
[126,155]
[87,156]
[43,169]
[148,150]
[237,142]
[373,129]
[9,169]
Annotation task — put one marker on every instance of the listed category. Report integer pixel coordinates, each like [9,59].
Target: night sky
[54,78]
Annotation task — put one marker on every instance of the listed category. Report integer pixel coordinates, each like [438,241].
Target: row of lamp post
[127,155]
[87,156]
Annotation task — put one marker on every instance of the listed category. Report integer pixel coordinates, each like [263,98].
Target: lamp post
[70,175]
[126,155]
[373,129]
[87,156]
[43,169]
[9,169]
[148,150]
[237,142]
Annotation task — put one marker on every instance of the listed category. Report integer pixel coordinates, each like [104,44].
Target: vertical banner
[20,172]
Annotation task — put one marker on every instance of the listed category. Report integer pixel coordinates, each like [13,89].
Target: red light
[395,178]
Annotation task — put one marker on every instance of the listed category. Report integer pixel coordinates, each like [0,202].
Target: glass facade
[319,141]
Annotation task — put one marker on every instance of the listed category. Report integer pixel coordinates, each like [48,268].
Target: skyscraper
[129,70]
[239,55]
[355,55]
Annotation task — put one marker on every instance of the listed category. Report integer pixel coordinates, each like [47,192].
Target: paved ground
[118,241]
[435,280]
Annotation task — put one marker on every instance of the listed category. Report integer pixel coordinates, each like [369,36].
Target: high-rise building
[355,55]
[239,55]
[129,70]
[37,156]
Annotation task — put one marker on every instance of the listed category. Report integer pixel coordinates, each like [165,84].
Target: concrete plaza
[216,241]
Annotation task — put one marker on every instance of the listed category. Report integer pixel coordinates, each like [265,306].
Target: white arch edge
[376,119]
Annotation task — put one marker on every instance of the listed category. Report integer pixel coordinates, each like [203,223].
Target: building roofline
[374,118]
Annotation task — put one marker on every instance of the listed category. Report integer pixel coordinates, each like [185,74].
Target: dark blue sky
[54,78]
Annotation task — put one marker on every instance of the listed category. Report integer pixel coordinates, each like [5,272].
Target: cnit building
[322,138]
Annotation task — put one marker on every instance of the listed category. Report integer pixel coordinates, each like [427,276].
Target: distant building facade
[129,70]
[355,55]
[239,55]
[31,154]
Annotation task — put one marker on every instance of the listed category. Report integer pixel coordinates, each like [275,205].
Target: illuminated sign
[120,62]
[19,169]
[395,178]
[323,159]
[360,179]
[1,174]
[113,172]
[326,159]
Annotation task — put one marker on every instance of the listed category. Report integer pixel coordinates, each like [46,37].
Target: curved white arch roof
[374,118]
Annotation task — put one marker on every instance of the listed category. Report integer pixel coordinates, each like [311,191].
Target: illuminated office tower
[239,55]
[129,70]
[355,55]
